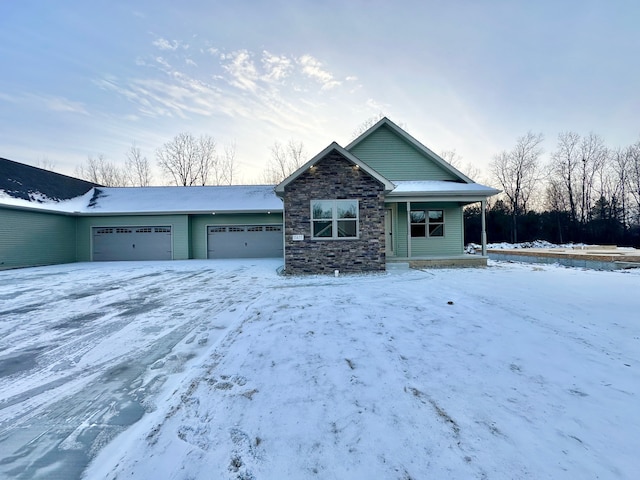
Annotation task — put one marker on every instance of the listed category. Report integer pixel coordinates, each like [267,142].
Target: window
[427,223]
[334,219]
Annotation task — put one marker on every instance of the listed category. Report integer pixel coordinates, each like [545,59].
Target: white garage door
[244,241]
[131,243]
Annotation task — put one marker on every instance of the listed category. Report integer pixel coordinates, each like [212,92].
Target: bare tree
[137,168]
[368,123]
[99,170]
[593,156]
[565,162]
[452,158]
[517,172]
[285,159]
[620,163]
[46,164]
[226,171]
[188,160]
[633,173]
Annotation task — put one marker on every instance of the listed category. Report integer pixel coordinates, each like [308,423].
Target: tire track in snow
[40,434]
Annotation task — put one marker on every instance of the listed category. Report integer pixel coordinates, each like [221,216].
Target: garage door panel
[244,241]
[131,243]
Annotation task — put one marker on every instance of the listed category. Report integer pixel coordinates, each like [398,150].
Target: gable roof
[388,186]
[437,159]
[34,184]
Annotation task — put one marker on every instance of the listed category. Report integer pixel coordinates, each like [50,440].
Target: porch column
[483,235]
[409,229]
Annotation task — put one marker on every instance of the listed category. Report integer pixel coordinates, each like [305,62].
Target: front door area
[388,232]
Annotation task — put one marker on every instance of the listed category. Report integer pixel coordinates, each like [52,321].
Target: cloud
[61,104]
[163,62]
[49,102]
[164,44]
[313,69]
[277,67]
[242,70]
[278,90]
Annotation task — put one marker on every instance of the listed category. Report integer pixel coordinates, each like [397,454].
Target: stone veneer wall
[334,178]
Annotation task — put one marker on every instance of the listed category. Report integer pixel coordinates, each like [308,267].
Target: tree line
[187,160]
[586,192]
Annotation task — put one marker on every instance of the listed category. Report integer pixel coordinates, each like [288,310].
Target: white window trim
[334,219]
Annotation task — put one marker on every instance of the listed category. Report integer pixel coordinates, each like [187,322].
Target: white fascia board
[437,198]
[27,208]
[185,212]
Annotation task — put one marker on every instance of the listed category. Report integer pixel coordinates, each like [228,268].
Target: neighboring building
[383,198]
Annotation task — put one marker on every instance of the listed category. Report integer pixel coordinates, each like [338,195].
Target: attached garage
[244,241]
[131,243]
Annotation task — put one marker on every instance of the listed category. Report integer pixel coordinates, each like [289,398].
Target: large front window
[334,219]
[427,223]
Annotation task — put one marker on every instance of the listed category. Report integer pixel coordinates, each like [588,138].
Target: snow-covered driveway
[227,370]
[84,348]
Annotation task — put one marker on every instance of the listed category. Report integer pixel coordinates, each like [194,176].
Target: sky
[83,79]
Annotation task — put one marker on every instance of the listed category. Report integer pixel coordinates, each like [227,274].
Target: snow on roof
[440,187]
[40,201]
[233,198]
[125,200]
[209,199]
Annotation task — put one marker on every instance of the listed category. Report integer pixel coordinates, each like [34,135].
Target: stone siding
[334,178]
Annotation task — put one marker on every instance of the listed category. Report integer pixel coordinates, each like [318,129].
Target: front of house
[383,198]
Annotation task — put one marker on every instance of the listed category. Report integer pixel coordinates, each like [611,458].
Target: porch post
[409,229]
[483,235]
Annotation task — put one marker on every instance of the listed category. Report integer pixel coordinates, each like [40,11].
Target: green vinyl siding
[179,231]
[396,159]
[401,231]
[199,224]
[452,243]
[30,238]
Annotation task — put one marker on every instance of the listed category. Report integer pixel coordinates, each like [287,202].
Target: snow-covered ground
[223,369]
[477,248]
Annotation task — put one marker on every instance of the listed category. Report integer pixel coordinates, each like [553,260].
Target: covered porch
[424,224]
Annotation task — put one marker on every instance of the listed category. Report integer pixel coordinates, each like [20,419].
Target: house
[383,198]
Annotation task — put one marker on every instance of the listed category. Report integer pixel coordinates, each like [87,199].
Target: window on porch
[427,223]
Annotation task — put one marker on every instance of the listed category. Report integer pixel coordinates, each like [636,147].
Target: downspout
[408,229]
[483,236]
